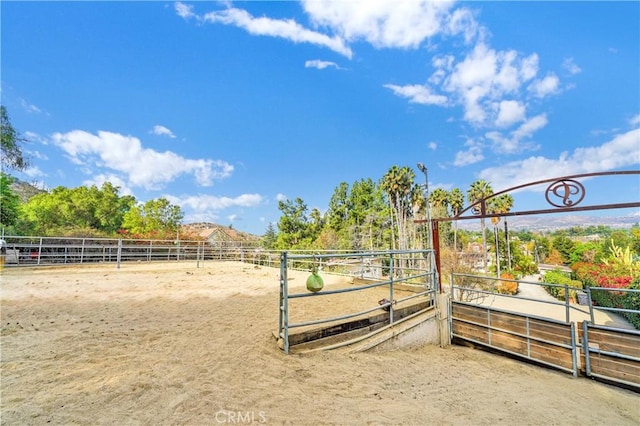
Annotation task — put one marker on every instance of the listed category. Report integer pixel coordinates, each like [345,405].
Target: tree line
[388,213]
[83,211]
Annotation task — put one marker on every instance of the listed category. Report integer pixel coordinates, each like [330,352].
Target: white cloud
[36,154]
[184,10]
[100,179]
[486,76]
[418,94]
[204,203]
[529,67]
[472,155]
[317,63]
[547,86]
[491,87]
[33,172]
[162,131]
[35,137]
[281,197]
[383,23]
[283,28]
[192,217]
[30,108]
[571,66]
[432,146]
[529,127]
[463,21]
[142,166]
[622,151]
[518,139]
[635,121]
[509,113]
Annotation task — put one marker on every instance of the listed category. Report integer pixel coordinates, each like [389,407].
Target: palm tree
[398,184]
[478,191]
[501,204]
[507,206]
[439,200]
[456,202]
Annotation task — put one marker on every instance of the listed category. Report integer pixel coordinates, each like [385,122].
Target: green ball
[314,282]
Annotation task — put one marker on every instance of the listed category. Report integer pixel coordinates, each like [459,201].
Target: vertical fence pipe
[566,303]
[40,250]
[585,348]
[119,254]
[82,251]
[450,309]
[590,305]
[489,325]
[391,273]
[528,338]
[574,350]
[451,286]
[284,308]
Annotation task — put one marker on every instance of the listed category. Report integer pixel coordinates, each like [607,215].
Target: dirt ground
[165,344]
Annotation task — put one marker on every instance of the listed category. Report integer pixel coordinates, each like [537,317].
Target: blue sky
[225,108]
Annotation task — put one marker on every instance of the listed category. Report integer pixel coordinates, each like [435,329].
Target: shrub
[611,277]
[507,287]
[560,278]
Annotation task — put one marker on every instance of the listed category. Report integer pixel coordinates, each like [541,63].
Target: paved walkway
[541,308]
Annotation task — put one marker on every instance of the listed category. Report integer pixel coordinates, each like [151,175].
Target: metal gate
[611,354]
[541,340]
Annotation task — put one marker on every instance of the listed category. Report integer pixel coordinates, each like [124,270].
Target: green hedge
[558,277]
[620,299]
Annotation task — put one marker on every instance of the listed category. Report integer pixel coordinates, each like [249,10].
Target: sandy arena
[172,344]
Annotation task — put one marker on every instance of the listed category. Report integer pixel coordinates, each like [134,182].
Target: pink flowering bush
[611,276]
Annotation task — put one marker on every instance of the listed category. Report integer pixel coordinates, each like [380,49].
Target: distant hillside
[556,222]
[199,227]
[25,190]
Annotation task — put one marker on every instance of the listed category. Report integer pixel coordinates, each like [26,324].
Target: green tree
[367,214]
[589,251]
[398,184]
[10,140]
[541,248]
[476,194]
[336,219]
[501,204]
[156,217]
[269,237]
[316,223]
[439,201]
[9,202]
[78,211]
[456,203]
[293,224]
[564,245]
[338,210]
[110,207]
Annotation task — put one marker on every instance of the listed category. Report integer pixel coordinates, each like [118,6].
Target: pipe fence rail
[41,251]
[477,288]
[384,268]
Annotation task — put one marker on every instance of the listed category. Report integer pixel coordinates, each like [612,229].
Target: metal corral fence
[35,251]
[478,289]
[382,268]
[611,353]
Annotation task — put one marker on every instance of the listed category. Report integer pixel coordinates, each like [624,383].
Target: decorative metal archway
[564,194]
